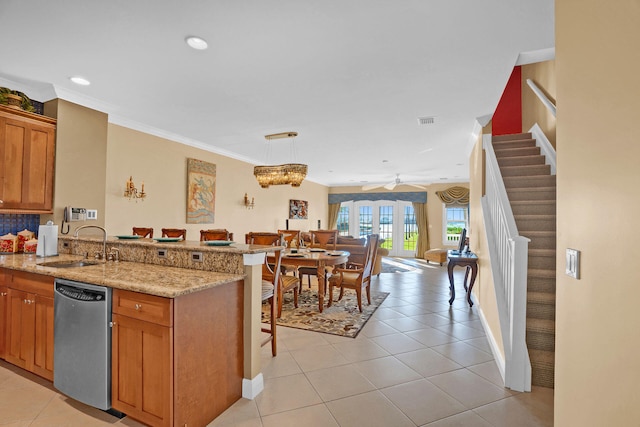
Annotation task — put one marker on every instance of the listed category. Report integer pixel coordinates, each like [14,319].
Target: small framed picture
[298,209]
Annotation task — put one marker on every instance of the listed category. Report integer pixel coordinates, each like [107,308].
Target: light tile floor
[417,362]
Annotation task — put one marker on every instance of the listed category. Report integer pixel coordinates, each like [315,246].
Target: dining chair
[215,234]
[270,284]
[325,239]
[356,276]
[286,282]
[292,239]
[174,232]
[143,232]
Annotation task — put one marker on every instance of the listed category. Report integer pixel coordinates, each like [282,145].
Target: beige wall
[162,165]
[81,159]
[94,159]
[543,75]
[483,290]
[434,206]
[597,349]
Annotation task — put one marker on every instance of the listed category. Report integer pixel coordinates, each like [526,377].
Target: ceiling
[352,77]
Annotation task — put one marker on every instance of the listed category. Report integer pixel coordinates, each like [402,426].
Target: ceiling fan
[391,185]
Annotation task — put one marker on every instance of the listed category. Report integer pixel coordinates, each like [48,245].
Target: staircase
[532,194]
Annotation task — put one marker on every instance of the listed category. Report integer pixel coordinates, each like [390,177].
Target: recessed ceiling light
[80,81]
[197,42]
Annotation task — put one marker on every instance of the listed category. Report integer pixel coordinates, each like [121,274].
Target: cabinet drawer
[33,283]
[143,307]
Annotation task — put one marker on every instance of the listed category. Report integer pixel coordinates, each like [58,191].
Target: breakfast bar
[196,308]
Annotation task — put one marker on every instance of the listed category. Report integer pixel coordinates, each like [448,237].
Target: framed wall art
[201,191]
[298,209]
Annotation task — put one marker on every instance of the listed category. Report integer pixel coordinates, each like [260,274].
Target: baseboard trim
[252,388]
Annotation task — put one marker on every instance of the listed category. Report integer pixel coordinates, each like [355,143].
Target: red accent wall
[507,118]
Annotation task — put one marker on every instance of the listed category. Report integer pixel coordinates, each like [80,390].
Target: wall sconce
[131,191]
[248,204]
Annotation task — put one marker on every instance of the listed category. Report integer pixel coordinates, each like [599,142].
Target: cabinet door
[43,345]
[4,297]
[27,155]
[142,375]
[20,328]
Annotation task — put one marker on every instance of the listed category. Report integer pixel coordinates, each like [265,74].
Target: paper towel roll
[47,240]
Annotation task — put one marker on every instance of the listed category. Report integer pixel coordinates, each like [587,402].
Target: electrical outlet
[92,214]
[573,263]
[196,256]
[162,253]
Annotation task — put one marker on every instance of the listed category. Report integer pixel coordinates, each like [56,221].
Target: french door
[394,221]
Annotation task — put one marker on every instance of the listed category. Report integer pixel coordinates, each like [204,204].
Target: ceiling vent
[426,120]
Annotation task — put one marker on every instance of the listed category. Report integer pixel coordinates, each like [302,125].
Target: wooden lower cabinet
[141,370]
[4,296]
[29,323]
[177,362]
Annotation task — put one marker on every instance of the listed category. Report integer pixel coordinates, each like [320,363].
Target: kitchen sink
[68,264]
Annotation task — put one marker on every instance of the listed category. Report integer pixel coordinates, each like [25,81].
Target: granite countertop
[150,279]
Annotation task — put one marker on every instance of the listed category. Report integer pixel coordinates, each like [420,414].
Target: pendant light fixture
[289,173]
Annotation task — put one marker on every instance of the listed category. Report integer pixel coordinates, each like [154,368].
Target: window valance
[409,196]
[454,196]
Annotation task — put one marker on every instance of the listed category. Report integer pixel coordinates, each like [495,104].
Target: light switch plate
[573,263]
[92,214]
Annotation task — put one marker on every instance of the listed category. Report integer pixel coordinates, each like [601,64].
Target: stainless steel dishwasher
[82,342]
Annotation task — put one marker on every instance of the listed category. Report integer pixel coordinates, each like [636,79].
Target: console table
[462,259]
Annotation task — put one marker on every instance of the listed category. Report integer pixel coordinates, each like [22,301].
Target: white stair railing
[508,253]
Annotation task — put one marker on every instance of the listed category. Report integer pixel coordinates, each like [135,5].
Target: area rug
[389,265]
[342,318]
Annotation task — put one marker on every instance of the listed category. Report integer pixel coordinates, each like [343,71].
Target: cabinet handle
[138,307]
[112,324]
[27,301]
[3,294]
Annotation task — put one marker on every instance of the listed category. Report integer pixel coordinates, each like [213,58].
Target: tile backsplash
[13,223]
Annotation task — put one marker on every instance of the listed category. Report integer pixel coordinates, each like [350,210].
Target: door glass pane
[386,226]
[410,229]
[343,221]
[366,221]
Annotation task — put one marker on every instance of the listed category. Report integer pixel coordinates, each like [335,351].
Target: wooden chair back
[326,239]
[292,237]
[143,231]
[264,238]
[215,234]
[174,232]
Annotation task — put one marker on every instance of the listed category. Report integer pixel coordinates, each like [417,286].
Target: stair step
[511,137]
[542,259]
[531,193]
[541,305]
[537,207]
[513,143]
[542,368]
[517,152]
[540,239]
[529,181]
[541,334]
[525,170]
[521,160]
[535,222]
[541,280]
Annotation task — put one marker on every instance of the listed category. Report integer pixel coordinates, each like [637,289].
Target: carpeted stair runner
[532,193]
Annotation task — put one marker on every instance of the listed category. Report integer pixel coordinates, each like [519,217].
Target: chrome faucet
[104,238]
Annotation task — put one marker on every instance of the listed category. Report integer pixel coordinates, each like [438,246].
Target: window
[455,218]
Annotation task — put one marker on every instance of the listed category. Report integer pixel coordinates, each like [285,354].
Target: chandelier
[289,173]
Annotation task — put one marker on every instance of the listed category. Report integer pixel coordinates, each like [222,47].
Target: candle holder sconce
[131,192]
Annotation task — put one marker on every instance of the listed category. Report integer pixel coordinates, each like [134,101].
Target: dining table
[319,258]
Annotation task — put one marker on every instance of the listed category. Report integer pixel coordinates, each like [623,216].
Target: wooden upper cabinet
[27,161]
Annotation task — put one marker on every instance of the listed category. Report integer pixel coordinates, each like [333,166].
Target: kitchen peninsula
[197,307]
